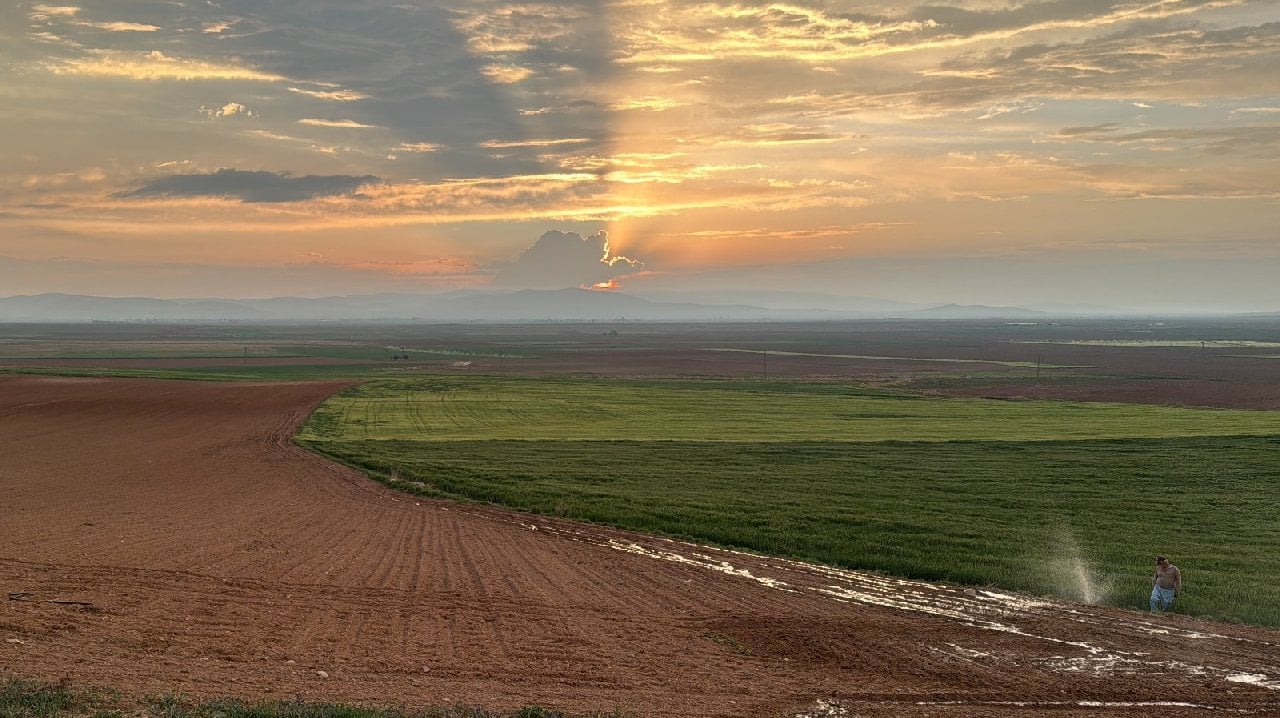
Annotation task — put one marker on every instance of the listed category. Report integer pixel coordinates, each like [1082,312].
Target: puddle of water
[825,709]
[1254,679]
[1082,704]
[701,560]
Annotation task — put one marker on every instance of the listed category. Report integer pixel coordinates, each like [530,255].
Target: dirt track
[206,554]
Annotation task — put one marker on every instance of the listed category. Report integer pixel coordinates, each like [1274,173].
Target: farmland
[1057,498]
[569,507]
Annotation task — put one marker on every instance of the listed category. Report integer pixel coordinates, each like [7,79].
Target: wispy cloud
[334,123]
[516,27]
[506,74]
[416,147]
[217,27]
[651,103]
[120,26]
[826,232]
[674,34]
[154,65]
[41,13]
[335,95]
[508,144]
[250,186]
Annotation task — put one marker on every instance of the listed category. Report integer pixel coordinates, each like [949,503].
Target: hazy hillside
[527,305]
[524,305]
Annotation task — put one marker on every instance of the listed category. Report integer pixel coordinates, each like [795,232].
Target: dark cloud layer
[560,260]
[252,186]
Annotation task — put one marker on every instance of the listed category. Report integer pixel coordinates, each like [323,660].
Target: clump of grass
[728,642]
[31,699]
[27,699]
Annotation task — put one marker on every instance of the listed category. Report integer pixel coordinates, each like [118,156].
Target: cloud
[231,109]
[508,144]
[651,103]
[790,235]
[1260,140]
[250,186]
[334,123]
[119,26]
[416,147]
[46,12]
[334,95]
[154,65]
[1022,107]
[506,74]
[561,260]
[1105,128]
[1152,62]
[705,32]
[217,27]
[514,27]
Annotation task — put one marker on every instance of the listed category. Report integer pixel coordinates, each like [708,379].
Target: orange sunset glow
[967,152]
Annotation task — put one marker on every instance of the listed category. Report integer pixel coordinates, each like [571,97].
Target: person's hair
[1160,558]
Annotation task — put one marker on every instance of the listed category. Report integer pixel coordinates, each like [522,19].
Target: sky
[1104,152]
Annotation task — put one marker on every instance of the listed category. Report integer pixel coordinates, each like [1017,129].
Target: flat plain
[166,535]
[1049,497]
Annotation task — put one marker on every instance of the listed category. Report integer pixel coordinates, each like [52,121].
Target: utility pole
[764,365]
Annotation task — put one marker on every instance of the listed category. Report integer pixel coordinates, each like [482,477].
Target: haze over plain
[1121,153]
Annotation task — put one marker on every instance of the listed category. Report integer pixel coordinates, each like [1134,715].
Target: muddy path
[164,536]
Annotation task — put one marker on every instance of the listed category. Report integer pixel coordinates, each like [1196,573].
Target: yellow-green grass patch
[465,408]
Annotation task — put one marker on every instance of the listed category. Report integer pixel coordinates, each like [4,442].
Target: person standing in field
[1165,585]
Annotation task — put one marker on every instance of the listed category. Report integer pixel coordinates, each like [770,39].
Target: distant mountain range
[462,306]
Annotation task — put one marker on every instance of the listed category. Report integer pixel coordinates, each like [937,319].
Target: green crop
[1021,495]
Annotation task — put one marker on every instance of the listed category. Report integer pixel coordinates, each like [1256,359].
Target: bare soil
[165,536]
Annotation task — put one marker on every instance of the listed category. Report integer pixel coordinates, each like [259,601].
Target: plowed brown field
[162,536]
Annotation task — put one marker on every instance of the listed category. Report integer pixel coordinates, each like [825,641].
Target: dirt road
[161,536]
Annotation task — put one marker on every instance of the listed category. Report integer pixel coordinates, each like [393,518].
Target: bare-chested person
[1165,585]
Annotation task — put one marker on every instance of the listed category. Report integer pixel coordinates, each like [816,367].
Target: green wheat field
[1055,498]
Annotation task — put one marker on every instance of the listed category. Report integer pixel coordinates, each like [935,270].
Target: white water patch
[1021,603]
[970,652]
[1149,627]
[1103,664]
[701,560]
[1255,679]
[1144,704]
[848,594]
[825,709]
[1083,704]
[960,652]
[876,590]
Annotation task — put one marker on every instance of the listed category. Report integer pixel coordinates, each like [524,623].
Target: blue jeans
[1161,598]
